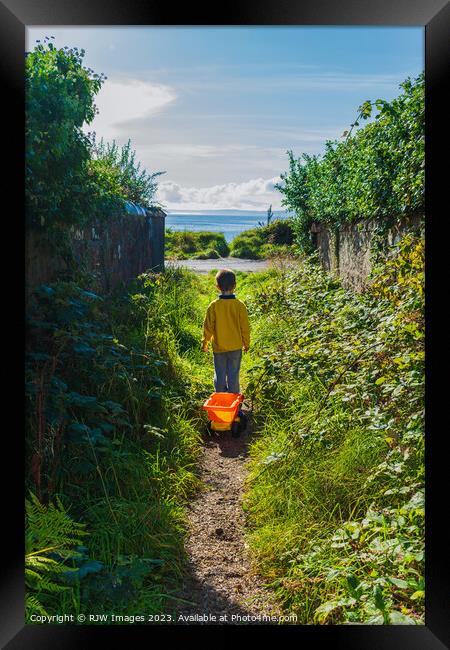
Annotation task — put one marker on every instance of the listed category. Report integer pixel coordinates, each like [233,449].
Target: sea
[231,223]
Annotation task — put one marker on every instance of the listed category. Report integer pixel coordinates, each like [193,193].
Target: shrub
[335,497]
[256,242]
[213,241]
[280,232]
[201,245]
[111,407]
[71,180]
[246,250]
[209,254]
[59,99]
[377,173]
[119,167]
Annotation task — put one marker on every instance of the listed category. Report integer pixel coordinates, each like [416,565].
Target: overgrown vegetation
[377,172]
[112,439]
[112,401]
[275,238]
[71,180]
[115,383]
[117,167]
[185,244]
[335,497]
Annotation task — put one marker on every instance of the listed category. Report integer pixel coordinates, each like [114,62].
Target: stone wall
[347,252]
[115,251]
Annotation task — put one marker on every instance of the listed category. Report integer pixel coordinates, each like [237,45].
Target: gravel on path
[220,580]
[233,263]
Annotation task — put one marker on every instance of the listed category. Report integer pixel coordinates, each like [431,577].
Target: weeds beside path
[197,525]
[220,580]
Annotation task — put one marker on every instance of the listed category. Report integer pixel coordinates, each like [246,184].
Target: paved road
[233,263]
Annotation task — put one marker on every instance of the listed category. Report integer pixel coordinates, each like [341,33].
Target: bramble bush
[112,439]
[335,497]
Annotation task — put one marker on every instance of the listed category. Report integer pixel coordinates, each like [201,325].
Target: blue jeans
[226,371]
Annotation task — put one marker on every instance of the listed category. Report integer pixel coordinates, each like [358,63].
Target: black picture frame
[434,16]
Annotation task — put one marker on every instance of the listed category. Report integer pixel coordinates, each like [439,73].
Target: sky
[217,108]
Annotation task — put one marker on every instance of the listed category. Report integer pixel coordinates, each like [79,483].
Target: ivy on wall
[375,173]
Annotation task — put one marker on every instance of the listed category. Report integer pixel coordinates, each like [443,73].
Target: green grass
[277,238]
[187,244]
[137,352]
[334,492]
[334,495]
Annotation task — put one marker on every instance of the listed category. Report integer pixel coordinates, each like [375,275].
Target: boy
[226,324]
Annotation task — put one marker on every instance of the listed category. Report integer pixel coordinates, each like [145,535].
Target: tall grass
[203,244]
[335,492]
[114,388]
[276,238]
[334,496]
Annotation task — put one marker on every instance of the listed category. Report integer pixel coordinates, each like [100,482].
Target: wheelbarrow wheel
[243,420]
[235,430]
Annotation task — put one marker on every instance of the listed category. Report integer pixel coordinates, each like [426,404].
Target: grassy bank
[114,387]
[200,245]
[275,239]
[335,492]
[265,241]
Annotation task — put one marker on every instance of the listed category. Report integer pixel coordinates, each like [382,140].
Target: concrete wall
[347,252]
[115,251]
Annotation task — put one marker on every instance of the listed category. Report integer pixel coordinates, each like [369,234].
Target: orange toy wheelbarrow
[225,414]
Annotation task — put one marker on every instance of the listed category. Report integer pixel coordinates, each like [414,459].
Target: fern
[50,528]
[33,606]
[49,531]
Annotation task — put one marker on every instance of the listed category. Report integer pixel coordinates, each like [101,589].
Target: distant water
[230,224]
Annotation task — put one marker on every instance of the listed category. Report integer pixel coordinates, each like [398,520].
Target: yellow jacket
[226,324]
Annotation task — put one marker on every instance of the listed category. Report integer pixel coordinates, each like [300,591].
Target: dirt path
[221,582]
[233,263]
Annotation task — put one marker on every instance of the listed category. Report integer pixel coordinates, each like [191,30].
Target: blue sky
[217,108]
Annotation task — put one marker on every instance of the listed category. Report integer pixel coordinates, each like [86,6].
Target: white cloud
[124,100]
[255,194]
[191,150]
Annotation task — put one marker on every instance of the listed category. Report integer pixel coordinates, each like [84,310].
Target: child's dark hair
[226,280]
